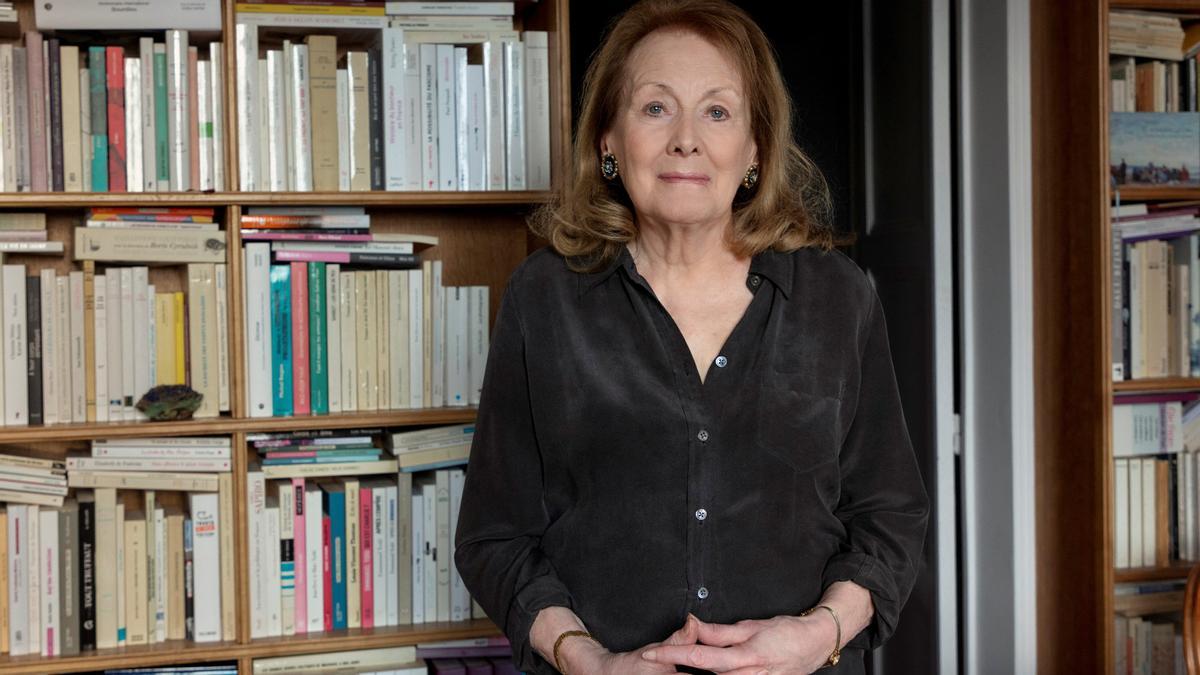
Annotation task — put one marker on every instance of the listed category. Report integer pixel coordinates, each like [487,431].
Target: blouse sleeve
[883,504]
[503,515]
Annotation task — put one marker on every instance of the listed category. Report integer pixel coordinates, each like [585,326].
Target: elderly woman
[690,450]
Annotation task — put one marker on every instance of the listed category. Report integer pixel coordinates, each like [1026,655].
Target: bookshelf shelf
[229,425]
[392,636]
[1191,6]
[163,653]
[54,200]
[1164,384]
[1150,193]
[1178,569]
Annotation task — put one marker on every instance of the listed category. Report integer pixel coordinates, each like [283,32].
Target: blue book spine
[98,100]
[281,339]
[318,364]
[337,554]
[285,461]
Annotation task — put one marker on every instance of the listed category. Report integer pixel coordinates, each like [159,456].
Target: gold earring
[751,178]
[609,168]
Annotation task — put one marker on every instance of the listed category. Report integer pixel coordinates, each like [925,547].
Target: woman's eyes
[717,113]
[655,109]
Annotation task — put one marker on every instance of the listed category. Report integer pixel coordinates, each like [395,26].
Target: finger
[725,635]
[703,656]
[752,670]
[686,635]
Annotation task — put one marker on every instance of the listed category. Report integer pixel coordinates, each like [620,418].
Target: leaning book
[1158,149]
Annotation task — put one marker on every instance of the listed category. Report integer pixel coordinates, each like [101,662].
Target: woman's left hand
[784,645]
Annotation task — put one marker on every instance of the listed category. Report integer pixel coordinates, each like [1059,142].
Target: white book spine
[313,559]
[260,575]
[393,108]
[18,579]
[397,338]
[258,329]
[216,61]
[50,390]
[493,102]
[204,124]
[221,280]
[360,129]
[477,346]
[410,127]
[149,137]
[287,570]
[263,147]
[302,130]
[438,296]
[477,170]
[442,478]
[333,333]
[430,590]
[416,338]
[1149,513]
[125,393]
[8,117]
[69,96]
[462,118]
[274,590]
[133,125]
[16,360]
[289,110]
[119,572]
[1136,549]
[246,37]
[429,117]
[457,358]
[1188,469]
[206,556]
[447,125]
[349,342]
[277,136]
[160,575]
[379,558]
[85,136]
[51,628]
[514,113]
[141,336]
[537,110]
[417,529]
[343,129]
[62,307]
[178,88]
[100,325]
[78,393]
[460,598]
[35,580]
[105,570]
[392,567]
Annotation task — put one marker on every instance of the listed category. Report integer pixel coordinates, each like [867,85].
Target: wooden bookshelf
[1178,569]
[482,237]
[1158,385]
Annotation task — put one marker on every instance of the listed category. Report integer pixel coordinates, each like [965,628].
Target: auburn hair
[789,207]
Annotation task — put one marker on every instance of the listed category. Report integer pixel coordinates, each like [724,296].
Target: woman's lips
[692,178]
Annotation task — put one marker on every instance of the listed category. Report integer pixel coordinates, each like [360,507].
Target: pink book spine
[300,381]
[37,111]
[312,256]
[300,455]
[284,235]
[298,556]
[366,552]
[327,569]
[193,120]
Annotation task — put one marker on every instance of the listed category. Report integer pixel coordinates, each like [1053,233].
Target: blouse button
[702,593]
[701,514]
[722,361]
[755,280]
[703,435]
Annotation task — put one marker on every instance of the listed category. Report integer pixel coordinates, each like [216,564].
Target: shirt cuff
[538,594]
[864,570]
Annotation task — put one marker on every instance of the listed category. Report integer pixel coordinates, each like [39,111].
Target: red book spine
[327,569]
[115,70]
[300,378]
[193,121]
[366,552]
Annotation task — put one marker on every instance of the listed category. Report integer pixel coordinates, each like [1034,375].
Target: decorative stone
[170,402]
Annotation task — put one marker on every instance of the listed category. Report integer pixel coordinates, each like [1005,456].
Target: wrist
[579,654]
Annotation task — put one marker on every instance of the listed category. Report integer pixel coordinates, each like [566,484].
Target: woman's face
[683,138]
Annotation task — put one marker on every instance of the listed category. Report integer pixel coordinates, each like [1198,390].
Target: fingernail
[648,655]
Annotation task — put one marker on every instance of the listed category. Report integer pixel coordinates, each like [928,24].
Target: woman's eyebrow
[667,88]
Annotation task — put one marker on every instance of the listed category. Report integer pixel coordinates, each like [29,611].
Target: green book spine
[318,365]
[162,148]
[98,97]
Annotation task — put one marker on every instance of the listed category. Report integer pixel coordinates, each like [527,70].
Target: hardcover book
[1154,148]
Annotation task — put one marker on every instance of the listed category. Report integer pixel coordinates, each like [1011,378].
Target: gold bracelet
[564,636]
[837,646]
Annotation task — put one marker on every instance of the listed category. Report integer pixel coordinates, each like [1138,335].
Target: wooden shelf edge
[180,652]
[1148,193]
[374,198]
[1177,570]
[228,425]
[1171,5]
[1164,384]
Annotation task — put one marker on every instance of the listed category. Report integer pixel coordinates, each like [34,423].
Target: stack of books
[160,235]
[331,235]
[180,463]
[434,448]
[29,480]
[227,669]
[9,20]
[26,233]
[341,447]
[1145,34]
[104,119]
[390,660]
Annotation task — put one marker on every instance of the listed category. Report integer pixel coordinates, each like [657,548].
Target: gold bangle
[564,636]
[837,645]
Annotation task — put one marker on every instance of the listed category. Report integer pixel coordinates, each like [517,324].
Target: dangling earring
[608,166]
[751,178]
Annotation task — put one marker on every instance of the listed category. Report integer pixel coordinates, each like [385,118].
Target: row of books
[458,657]
[1152,86]
[111,118]
[324,338]
[1146,647]
[1145,425]
[443,16]
[328,554]
[413,110]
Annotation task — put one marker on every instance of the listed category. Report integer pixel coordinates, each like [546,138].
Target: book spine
[349,326]
[149,116]
[392,65]
[38,115]
[20,102]
[375,117]
[447,125]
[98,98]
[364,299]
[281,339]
[207,566]
[258,329]
[416,337]
[462,118]
[322,77]
[193,120]
[89,339]
[383,356]
[478,340]
[115,72]
[379,550]
[301,393]
[140,318]
[301,158]
[397,338]
[418,555]
[337,558]
[300,555]
[493,100]
[105,568]
[317,343]
[33,349]
[189,580]
[514,113]
[437,386]
[100,350]
[367,556]
[343,129]
[178,110]
[246,37]
[353,547]
[221,306]
[203,106]
[537,110]
[256,504]
[69,118]
[68,579]
[360,120]
[85,123]
[49,578]
[56,128]
[333,335]
[216,62]
[16,387]
[404,553]
[274,596]
[327,571]
[429,117]
[314,541]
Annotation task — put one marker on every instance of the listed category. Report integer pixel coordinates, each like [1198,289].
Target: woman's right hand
[599,661]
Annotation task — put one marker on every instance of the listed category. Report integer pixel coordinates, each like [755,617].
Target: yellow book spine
[180,340]
[164,339]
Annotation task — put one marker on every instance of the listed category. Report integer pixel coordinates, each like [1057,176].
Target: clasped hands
[784,645]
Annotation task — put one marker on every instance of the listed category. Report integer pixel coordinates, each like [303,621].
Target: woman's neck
[679,252]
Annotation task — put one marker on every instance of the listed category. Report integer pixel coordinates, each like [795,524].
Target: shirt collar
[772,265]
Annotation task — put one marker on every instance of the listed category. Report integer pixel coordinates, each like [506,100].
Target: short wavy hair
[789,208]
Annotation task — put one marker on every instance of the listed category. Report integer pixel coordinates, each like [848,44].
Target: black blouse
[607,478]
